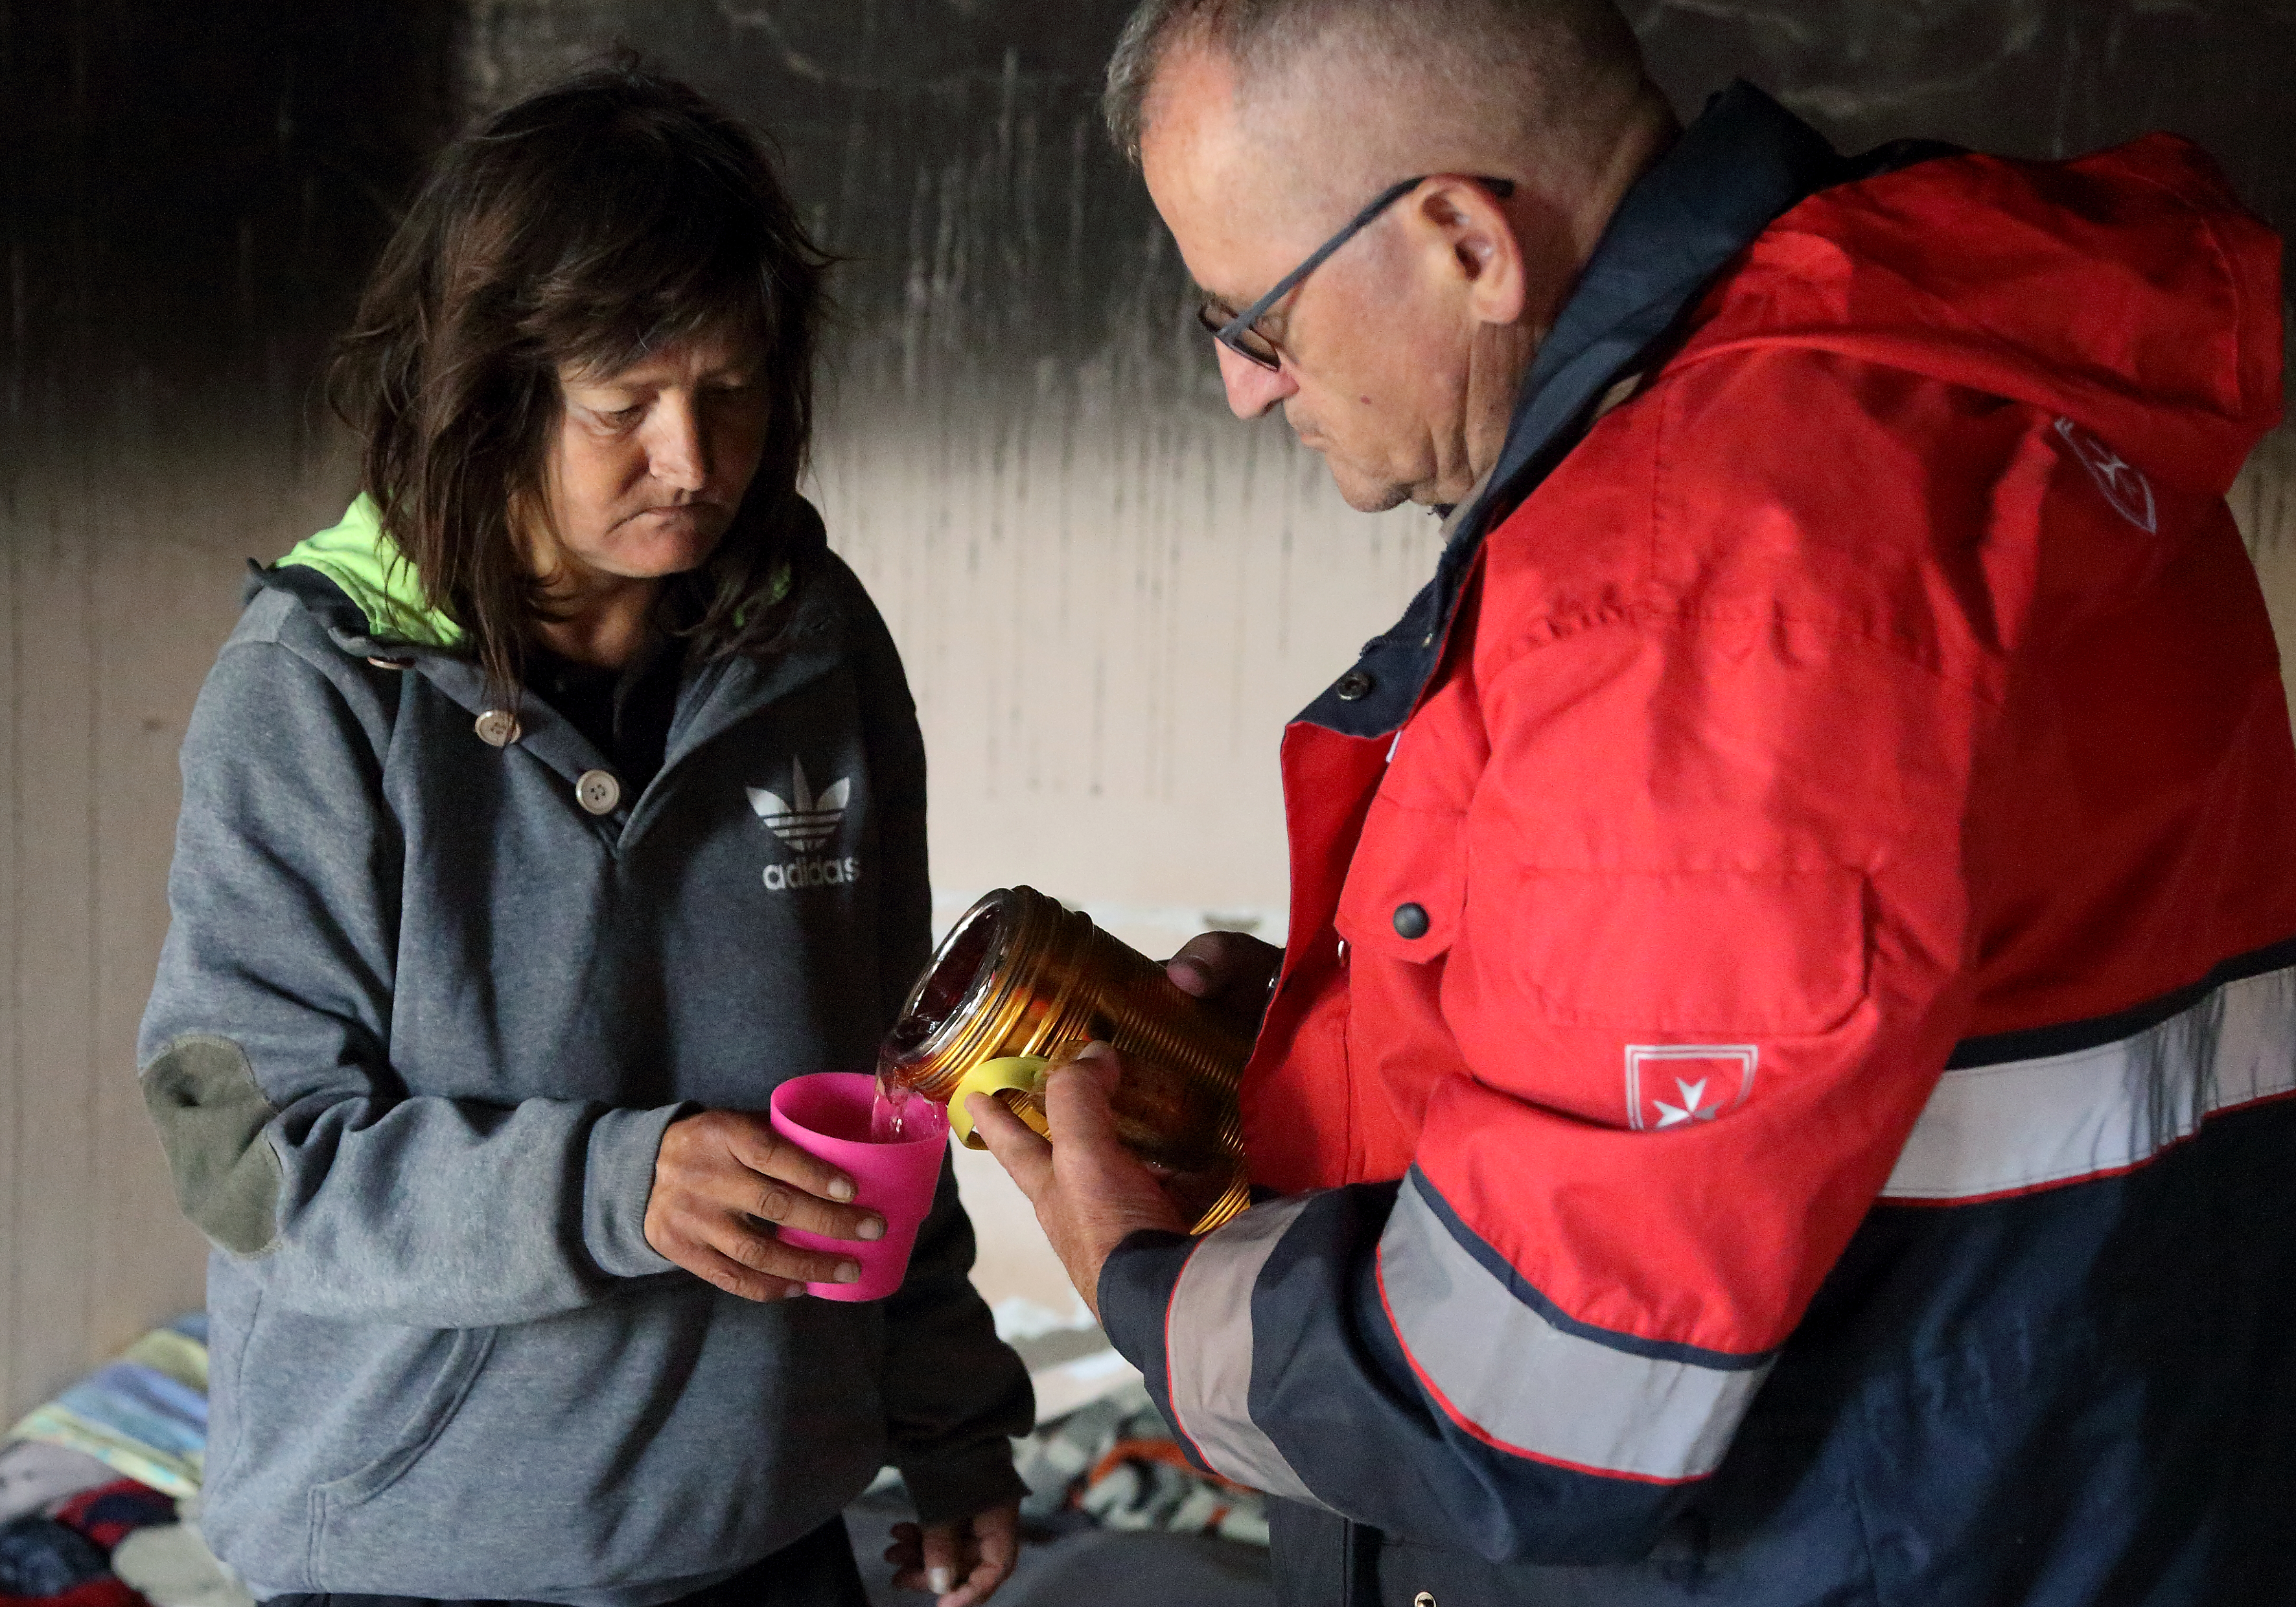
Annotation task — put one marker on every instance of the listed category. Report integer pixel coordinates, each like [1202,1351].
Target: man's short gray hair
[1585,40]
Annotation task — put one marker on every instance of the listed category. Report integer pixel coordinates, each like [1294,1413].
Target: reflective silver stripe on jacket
[1208,1350]
[2026,1124]
[1533,1388]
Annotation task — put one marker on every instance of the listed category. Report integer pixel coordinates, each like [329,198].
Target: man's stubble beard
[1380,502]
[1365,492]
[1362,492]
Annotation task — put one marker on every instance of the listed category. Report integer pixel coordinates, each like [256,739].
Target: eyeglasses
[1238,334]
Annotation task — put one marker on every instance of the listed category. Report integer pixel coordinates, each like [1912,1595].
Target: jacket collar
[1742,164]
[364,595]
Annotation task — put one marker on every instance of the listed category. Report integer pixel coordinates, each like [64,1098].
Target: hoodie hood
[2127,291]
[371,595]
[367,567]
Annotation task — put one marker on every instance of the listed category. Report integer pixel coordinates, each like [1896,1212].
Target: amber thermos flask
[1021,976]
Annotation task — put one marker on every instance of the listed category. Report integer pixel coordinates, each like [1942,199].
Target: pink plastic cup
[827,1114]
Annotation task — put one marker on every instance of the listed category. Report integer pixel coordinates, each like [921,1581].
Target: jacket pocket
[1407,884]
[693,1428]
[1747,954]
[1399,910]
[466,1353]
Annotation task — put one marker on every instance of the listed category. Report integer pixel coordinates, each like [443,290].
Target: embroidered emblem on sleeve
[1673,1085]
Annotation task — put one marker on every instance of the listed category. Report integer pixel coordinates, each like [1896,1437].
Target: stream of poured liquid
[892,1112]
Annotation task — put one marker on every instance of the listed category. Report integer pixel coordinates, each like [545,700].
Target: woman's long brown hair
[589,225]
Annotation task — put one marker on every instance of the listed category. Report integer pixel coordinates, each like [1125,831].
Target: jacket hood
[367,567]
[2128,289]
[371,573]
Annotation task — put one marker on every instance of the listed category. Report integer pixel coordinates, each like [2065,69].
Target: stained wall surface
[1109,594]
[188,198]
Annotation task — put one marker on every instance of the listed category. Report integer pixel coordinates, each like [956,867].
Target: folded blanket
[144,1415]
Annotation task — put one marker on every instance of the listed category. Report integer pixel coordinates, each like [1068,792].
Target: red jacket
[1881,688]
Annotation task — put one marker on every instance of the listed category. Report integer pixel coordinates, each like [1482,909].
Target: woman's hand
[962,1564]
[724,1180]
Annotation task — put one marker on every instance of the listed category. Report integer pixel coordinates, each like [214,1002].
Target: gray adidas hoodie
[420,1022]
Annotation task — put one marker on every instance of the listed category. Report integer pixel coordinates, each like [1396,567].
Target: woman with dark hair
[539,819]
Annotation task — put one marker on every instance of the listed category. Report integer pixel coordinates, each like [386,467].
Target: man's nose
[1251,390]
[677,449]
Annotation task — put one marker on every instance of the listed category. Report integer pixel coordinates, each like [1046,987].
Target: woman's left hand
[961,1563]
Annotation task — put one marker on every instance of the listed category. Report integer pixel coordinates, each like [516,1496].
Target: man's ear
[1462,220]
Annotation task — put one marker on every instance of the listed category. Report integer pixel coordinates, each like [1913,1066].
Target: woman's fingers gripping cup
[827,1115]
[727,1185]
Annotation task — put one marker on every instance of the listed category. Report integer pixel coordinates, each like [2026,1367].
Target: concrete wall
[1110,595]
[189,198]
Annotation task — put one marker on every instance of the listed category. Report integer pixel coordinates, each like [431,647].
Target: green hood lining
[359,557]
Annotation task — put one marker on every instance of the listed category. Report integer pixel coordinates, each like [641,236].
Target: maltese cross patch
[2124,484]
[1676,1084]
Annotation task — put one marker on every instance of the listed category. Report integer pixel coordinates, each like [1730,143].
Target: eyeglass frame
[1231,333]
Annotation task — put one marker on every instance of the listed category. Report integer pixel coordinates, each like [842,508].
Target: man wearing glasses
[1777,1090]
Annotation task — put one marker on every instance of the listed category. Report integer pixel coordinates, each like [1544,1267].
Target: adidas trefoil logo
[803,821]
